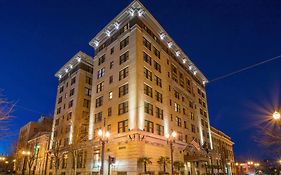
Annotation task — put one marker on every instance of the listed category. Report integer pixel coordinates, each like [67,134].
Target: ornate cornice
[74,61]
[137,8]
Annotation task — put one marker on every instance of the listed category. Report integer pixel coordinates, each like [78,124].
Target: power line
[244,69]
[28,109]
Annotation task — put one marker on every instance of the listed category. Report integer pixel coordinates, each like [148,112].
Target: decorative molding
[136,7]
[75,60]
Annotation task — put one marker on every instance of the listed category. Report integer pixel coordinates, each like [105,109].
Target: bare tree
[6,109]
[270,137]
[56,153]
[30,162]
[80,141]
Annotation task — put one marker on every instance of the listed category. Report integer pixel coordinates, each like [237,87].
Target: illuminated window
[123,126]
[100,73]
[148,126]
[110,95]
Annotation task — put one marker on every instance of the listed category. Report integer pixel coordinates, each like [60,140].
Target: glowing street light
[276,115]
[103,139]
[171,138]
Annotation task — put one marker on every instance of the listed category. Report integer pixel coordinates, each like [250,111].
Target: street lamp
[25,154]
[103,135]
[171,138]
[276,115]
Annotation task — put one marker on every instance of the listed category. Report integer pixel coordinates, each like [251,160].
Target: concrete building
[144,87]
[223,156]
[71,118]
[28,132]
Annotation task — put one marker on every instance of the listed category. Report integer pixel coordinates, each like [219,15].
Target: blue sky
[38,37]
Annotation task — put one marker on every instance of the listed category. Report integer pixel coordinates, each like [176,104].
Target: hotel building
[144,87]
[139,87]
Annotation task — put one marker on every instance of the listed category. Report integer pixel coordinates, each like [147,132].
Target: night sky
[38,37]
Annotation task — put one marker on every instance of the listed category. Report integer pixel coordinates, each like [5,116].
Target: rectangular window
[177,107]
[100,73]
[61,89]
[159,113]
[123,126]
[99,87]
[146,43]
[124,43]
[88,92]
[192,128]
[123,73]
[111,79]
[68,116]
[71,92]
[192,116]
[98,117]
[158,81]
[89,80]
[146,58]
[101,59]
[123,90]
[178,121]
[99,101]
[148,108]
[185,125]
[86,103]
[148,74]
[177,94]
[110,95]
[147,90]
[124,57]
[70,104]
[73,80]
[148,126]
[109,111]
[156,52]
[111,50]
[111,65]
[59,100]
[157,66]
[159,130]
[123,108]
[158,96]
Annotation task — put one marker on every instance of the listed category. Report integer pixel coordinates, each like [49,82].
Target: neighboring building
[39,147]
[71,118]
[27,132]
[144,87]
[223,156]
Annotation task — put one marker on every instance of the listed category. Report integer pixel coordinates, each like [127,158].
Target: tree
[79,143]
[30,162]
[56,153]
[164,161]
[6,109]
[270,138]
[179,165]
[145,161]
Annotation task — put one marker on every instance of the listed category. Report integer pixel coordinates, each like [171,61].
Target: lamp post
[103,135]
[25,155]
[171,138]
